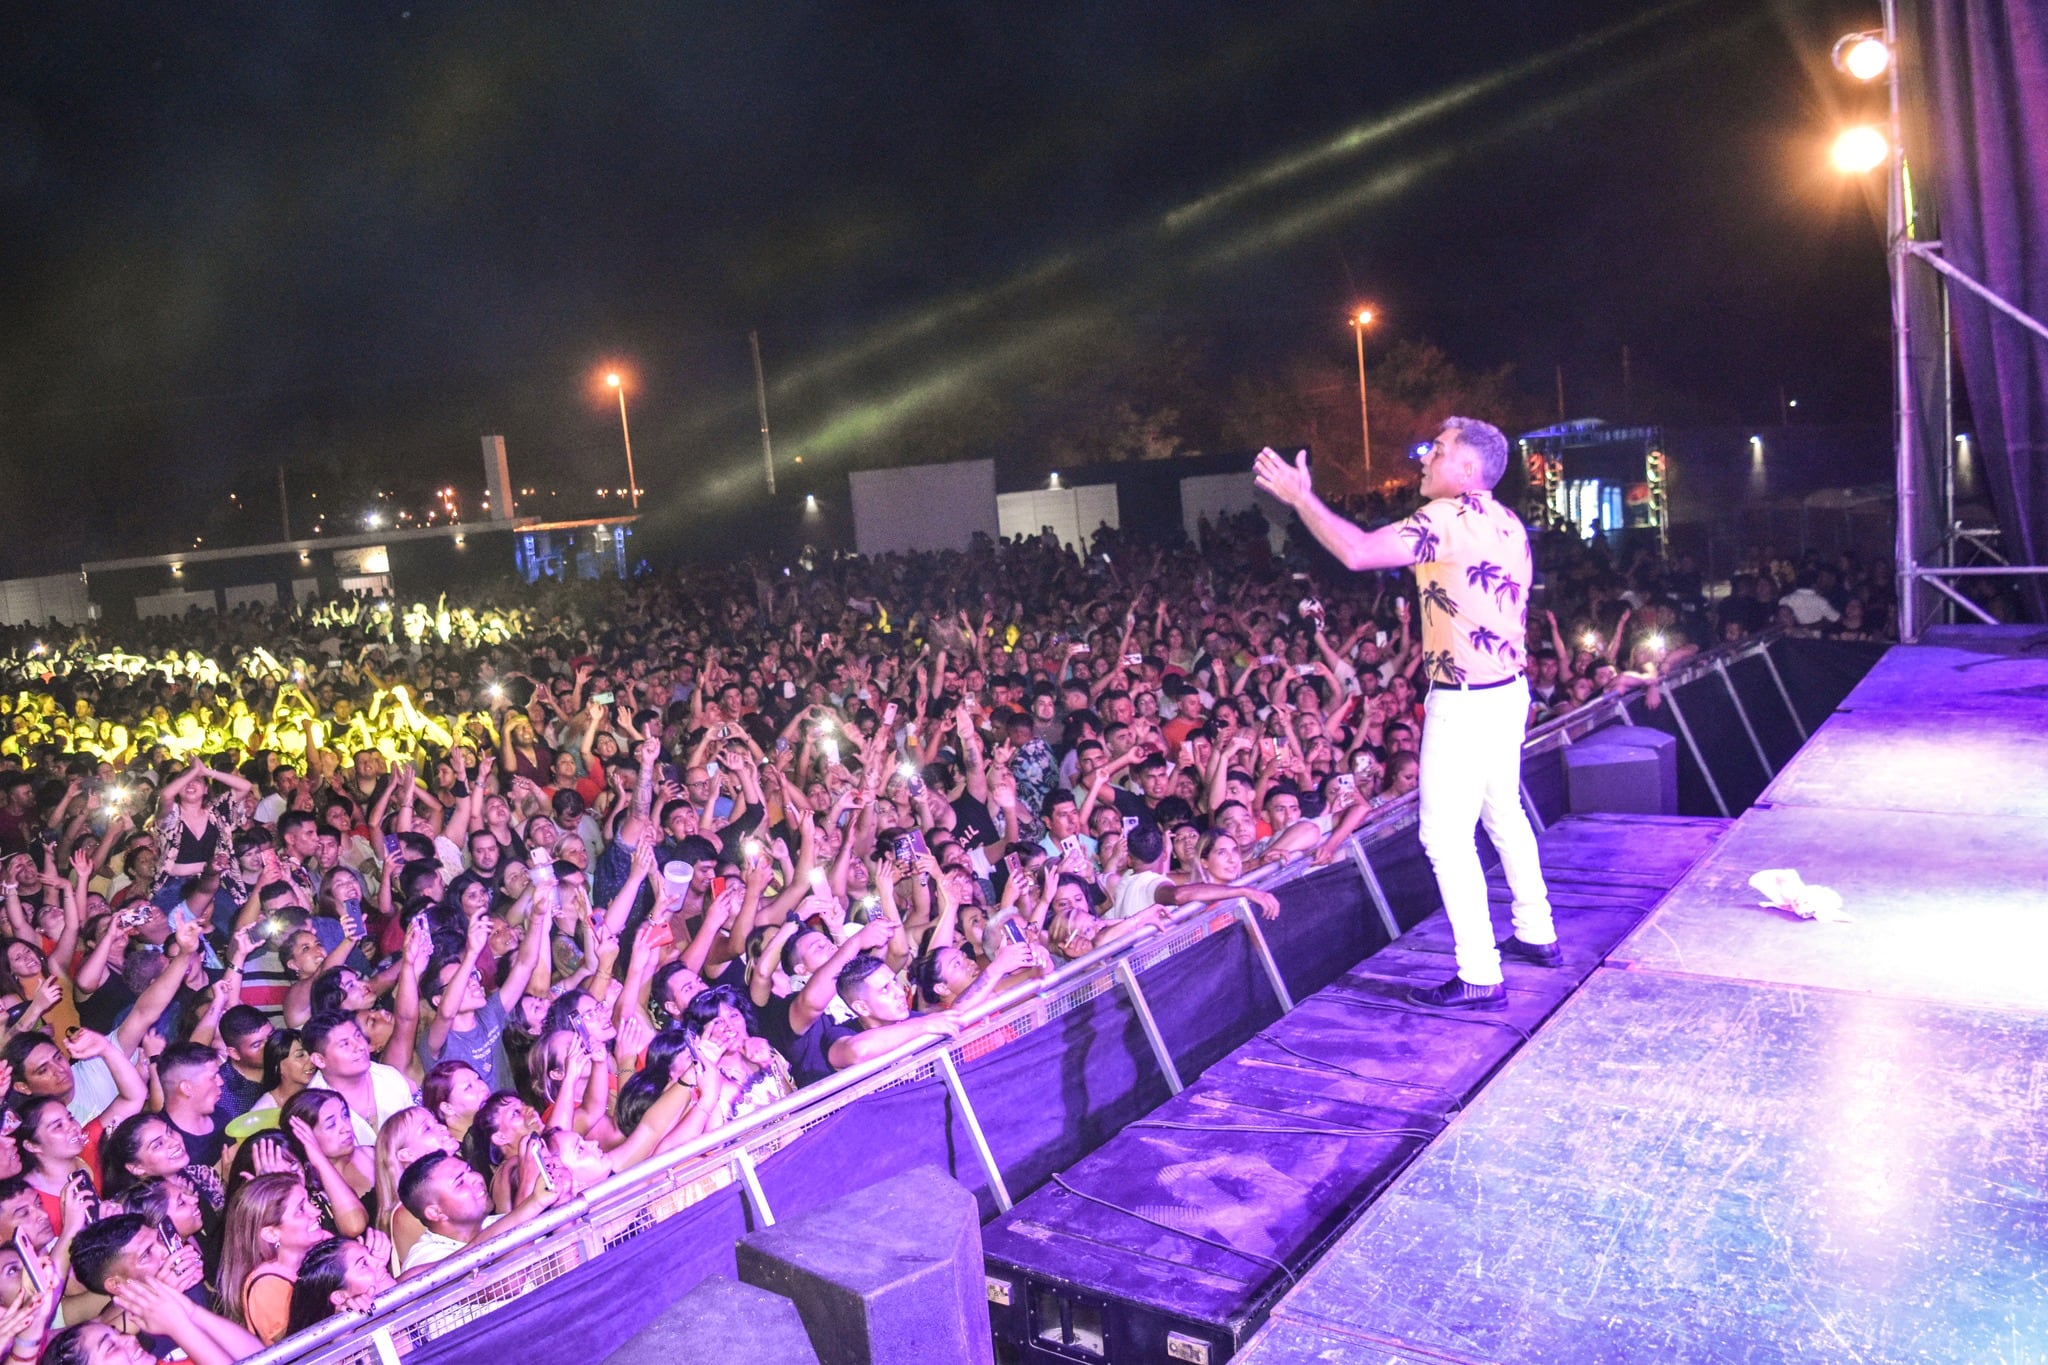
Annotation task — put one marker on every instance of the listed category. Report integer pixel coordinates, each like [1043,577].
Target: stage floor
[1959,668]
[1269,1152]
[1942,907]
[1756,1138]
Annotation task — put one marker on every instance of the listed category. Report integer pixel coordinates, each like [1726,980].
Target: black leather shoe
[1535,954]
[1460,994]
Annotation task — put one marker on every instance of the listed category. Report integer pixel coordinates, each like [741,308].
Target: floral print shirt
[1473,567]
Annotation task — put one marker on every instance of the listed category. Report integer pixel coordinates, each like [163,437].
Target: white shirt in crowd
[393,1092]
[1809,608]
[1136,893]
[433,1247]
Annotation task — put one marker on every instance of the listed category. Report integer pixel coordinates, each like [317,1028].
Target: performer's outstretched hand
[1289,483]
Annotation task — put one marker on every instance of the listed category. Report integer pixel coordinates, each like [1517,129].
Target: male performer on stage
[1472,565]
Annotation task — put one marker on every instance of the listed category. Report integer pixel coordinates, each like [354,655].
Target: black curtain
[1986,72]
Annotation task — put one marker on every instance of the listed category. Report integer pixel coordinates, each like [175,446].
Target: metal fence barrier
[472,1283]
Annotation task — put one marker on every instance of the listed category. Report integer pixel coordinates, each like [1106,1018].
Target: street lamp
[626,432]
[1359,322]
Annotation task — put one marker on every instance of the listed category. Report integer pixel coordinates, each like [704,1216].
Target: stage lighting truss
[1535,508]
[1660,504]
[1543,498]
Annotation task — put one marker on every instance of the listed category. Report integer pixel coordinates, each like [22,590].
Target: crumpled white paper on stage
[1784,889]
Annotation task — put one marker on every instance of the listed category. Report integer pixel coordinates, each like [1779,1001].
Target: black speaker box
[723,1319]
[1623,770]
[888,1275]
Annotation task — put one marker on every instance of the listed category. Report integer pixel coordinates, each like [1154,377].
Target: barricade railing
[471,1283]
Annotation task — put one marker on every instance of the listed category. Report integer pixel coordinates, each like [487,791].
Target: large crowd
[341,938]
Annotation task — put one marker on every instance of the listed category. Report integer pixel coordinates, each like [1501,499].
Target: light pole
[1359,322]
[1868,57]
[1857,150]
[625,431]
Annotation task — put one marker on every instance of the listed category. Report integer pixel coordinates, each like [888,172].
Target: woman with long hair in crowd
[36,994]
[170,1202]
[271,1225]
[405,1137]
[287,1068]
[147,1146]
[53,1152]
[504,1121]
[343,1173]
[339,1275]
[453,1092]
[194,830]
[718,1029]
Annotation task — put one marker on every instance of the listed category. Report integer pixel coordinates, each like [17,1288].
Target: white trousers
[1472,773]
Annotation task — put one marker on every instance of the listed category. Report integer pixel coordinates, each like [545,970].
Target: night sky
[351,238]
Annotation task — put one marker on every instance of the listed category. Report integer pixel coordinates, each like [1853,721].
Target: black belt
[1478,687]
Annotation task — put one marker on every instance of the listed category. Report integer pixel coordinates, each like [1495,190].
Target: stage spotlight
[1859,149]
[1862,56]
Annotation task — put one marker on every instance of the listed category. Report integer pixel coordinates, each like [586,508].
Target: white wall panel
[1213,495]
[32,601]
[1072,513]
[172,603]
[261,594]
[1096,505]
[923,507]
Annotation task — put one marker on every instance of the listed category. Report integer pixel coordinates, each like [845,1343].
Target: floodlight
[1859,150]
[1862,56]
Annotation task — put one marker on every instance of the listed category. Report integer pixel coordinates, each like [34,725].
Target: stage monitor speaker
[887,1275]
[1623,770]
[722,1318]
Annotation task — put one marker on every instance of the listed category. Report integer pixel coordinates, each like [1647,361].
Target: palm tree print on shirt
[1443,667]
[1424,539]
[1491,577]
[1436,595]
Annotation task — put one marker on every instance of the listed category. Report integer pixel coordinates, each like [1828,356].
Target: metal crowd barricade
[472,1283]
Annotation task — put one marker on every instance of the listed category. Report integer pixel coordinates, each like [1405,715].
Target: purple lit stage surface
[1955,727]
[1921,802]
[1195,1216]
[1689,1170]
[1959,667]
[1750,1137]
[1941,907]
[1946,762]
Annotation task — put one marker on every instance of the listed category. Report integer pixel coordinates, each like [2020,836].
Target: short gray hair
[1484,440]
